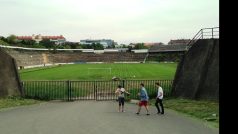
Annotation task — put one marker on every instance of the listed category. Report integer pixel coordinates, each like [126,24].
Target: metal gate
[89,90]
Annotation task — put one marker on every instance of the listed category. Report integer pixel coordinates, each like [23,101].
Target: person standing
[144,98]
[121,97]
[159,98]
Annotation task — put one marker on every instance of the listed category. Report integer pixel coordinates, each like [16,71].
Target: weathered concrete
[197,75]
[9,80]
[96,117]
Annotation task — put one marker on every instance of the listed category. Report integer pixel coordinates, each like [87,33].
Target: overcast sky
[124,21]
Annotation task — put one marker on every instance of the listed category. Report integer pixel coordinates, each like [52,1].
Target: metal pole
[212,33]
[68,88]
[123,83]
[202,34]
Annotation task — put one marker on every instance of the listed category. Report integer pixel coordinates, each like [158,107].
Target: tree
[68,47]
[113,45]
[124,46]
[140,46]
[12,39]
[3,38]
[129,48]
[97,46]
[86,46]
[47,43]
[3,43]
[72,45]
[79,46]
[28,42]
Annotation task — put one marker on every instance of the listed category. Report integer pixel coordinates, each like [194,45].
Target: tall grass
[202,109]
[16,101]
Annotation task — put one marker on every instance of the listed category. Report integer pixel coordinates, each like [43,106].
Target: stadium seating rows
[29,58]
[160,48]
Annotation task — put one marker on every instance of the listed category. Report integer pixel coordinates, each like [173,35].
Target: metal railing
[205,33]
[91,90]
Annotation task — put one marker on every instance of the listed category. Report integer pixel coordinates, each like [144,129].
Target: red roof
[24,37]
[43,37]
[53,37]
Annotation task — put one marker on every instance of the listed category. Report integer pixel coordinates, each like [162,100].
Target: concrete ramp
[96,117]
[197,75]
[9,79]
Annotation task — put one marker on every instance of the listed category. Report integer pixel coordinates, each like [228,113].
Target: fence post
[212,33]
[202,34]
[23,88]
[123,83]
[95,90]
[69,90]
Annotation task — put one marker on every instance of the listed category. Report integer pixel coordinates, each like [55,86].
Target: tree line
[47,43]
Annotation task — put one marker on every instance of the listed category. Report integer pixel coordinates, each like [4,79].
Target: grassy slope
[81,72]
[16,101]
[201,109]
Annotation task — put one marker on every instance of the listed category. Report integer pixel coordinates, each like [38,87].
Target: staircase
[205,33]
[146,57]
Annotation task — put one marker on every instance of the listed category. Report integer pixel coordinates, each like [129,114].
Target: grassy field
[101,72]
[59,89]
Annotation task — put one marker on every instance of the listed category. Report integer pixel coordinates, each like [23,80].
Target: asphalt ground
[96,117]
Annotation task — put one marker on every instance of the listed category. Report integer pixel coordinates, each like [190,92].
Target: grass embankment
[16,101]
[202,109]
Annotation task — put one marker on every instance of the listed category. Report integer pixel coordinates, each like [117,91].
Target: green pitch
[162,71]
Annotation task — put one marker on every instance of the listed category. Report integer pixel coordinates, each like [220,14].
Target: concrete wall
[197,75]
[9,80]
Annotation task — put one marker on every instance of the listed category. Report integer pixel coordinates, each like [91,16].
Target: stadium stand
[166,48]
[35,57]
[27,57]
[168,53]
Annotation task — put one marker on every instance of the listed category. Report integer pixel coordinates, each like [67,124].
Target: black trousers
[161,105]
[121,101]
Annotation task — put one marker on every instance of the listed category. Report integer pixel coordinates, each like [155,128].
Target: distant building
[148,45]
[153,44]
[105,42]
[57,39]
[179,42]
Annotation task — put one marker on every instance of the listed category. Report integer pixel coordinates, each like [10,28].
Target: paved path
[95,117]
